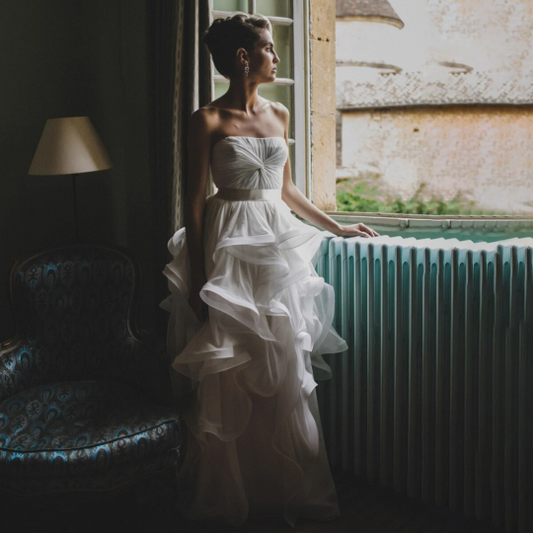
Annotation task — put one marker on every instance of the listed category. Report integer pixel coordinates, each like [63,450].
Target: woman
[249,315]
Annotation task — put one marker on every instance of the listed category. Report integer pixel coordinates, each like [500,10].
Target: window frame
[300,84]
[514,225]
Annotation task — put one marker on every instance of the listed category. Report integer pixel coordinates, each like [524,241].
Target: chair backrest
[75,303]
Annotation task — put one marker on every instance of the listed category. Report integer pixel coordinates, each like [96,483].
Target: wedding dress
[255,444]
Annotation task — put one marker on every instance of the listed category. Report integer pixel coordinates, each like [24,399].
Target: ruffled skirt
[255,445]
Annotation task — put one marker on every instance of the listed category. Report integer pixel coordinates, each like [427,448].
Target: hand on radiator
[356,230]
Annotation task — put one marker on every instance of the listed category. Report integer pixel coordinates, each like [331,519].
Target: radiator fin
[435,395]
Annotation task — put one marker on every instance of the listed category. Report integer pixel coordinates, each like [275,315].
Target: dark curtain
[179,81]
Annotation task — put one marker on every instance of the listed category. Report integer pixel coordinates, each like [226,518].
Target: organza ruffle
[270,319]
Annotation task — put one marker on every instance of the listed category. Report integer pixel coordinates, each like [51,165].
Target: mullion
[278,81]
[280,21]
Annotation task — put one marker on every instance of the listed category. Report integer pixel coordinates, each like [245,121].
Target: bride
[249,316]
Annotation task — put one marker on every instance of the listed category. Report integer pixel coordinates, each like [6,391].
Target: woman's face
[264,59]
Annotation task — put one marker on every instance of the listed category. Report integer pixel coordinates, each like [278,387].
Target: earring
[246,69]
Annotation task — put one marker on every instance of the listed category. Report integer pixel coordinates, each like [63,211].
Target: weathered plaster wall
[483,152]
[467,53]
[495,37]
[322,37]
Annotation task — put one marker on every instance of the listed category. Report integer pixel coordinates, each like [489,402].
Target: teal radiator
[435,395]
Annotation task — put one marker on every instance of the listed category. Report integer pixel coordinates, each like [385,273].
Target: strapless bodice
[249,162]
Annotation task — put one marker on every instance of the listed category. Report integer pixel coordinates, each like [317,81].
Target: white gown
[255,445]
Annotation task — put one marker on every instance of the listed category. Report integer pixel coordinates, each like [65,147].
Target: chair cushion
[75,427]
[108,479]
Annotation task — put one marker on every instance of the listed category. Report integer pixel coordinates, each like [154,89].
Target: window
[290,29]
[434,118]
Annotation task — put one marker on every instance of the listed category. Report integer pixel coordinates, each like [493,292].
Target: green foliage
[364,198]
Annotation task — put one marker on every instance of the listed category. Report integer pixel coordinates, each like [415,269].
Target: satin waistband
[240,195]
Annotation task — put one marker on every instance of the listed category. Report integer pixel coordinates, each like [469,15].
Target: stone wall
[322,48]
[455,52]
[480,152]
[443,106]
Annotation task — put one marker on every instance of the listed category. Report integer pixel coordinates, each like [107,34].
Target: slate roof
[420,88]
[373,10]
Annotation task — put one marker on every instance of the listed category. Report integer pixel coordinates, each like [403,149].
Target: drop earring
[246,69]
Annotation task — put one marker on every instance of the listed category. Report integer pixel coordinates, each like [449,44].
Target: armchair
[85,399]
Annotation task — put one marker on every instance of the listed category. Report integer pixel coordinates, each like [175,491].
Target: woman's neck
[242,95]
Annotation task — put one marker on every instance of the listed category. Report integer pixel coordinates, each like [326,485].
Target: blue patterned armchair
[85,398]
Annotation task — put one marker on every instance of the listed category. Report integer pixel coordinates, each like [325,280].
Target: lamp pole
[69,146]
[76,226]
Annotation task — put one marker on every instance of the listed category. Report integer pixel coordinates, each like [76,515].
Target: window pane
[230,5]
[220,89]
[274,8]
[279,93]
[283,44]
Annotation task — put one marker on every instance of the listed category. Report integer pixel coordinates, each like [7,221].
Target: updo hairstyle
[225,36]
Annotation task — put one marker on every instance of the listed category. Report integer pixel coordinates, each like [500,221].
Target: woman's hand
[198,306]
[307,210]
[355,230]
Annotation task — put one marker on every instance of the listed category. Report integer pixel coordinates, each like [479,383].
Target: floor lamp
[69,146]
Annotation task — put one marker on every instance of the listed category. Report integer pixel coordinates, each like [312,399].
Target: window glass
[282,36]
[230,5]
[274,8]
[220,89]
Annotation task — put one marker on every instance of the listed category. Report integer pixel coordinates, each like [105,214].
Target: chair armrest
[141,362]
[22,366]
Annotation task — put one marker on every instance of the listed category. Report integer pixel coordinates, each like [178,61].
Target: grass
[365,197]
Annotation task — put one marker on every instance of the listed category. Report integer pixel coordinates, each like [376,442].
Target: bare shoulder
[281,113]
[204,120]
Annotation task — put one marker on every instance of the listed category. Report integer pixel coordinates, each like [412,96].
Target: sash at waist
[240,195]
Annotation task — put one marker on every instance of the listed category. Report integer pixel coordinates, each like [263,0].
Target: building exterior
[434,99]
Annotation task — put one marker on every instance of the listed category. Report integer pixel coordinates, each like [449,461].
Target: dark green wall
[64,58]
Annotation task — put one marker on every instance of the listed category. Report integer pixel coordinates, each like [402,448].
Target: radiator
[434,396]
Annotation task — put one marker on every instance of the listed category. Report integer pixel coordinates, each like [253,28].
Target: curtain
[179,81]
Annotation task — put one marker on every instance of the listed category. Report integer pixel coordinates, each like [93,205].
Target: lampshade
[69,146]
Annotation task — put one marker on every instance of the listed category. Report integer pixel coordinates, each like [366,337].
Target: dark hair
[225,36]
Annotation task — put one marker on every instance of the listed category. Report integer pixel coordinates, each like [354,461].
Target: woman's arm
[303,207]
[198,150]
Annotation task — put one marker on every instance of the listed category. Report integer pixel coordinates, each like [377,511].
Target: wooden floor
[365,508]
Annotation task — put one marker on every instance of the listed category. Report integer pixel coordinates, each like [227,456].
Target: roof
[371,10]
[421,88]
